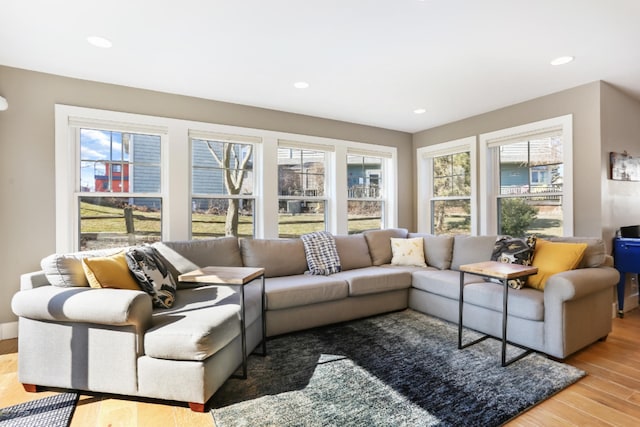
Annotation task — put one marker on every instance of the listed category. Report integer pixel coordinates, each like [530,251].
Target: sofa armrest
[32,280]
[117,307]
[575,284]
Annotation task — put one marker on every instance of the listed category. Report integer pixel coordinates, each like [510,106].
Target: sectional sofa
[113,341]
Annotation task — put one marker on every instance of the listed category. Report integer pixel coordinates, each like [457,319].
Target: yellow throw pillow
[552,258]
[408,251]
[109,272]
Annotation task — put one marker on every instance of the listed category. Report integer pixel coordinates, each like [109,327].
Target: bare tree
[233,163]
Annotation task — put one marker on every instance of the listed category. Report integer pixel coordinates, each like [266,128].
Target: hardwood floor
[608,396]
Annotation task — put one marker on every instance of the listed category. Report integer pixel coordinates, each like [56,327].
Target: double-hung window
[366,182]
[222,185]
[528,179]
[302,188]
[118,190]
[446,188]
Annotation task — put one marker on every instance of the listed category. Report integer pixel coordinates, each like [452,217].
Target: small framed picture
[624,167]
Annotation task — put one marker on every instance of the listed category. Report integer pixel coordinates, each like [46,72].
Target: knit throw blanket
[322,255]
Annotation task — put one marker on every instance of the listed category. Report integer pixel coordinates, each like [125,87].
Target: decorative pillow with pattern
[321,252]
[514,251]
[152,275]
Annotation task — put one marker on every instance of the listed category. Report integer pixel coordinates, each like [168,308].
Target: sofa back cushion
[65,270]
[279,257]
[594,255]
[187,255]
[379,242]
[470,249]
[353,251]
[438,250]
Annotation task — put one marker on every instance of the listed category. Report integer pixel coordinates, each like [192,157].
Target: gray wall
[620,115]
[584,103]
[27,199]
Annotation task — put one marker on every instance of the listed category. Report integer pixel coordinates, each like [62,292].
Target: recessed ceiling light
[562,60]
[301,85]
[99,42]
[420,110]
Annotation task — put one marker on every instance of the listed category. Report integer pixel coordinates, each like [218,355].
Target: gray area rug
[397,369]
[53,411]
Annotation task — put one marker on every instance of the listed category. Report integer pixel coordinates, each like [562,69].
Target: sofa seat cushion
[202,321]
[525,303]
[445,283]
[371,280]
[303,289]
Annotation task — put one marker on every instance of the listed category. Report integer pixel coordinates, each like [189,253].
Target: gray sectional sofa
[113,341]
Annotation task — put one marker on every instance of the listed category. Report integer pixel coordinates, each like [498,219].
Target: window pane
[539,215]
[530,167]
[364,177]
[214,218]
[221,168]
[301,172]
[298,217]
[364,215]
[452,175]
[119,162]
[107,222]
[451,216]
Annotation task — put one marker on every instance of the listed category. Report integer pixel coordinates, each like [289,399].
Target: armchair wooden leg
[30,388]
[197,407]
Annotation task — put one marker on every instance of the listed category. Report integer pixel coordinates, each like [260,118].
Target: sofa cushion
[321,253]
[445,283]
[471,249]
[279,257]
[525,303]
[303,289]
[552,258]
[371,280]
[409,252]
[437,250]
[353,251]
[152,275]
[202,321]
[183,256]
[379,242]
[65,270]
[109,271]
[594,254]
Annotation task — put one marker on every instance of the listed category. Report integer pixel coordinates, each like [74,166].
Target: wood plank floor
[608,396]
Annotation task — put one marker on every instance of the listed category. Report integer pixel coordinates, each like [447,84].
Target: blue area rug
[53,411]
[397,369]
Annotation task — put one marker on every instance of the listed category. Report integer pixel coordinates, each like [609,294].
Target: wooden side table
[503,272]
[234,276]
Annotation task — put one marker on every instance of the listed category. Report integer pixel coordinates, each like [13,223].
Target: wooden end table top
[499,270]
[222,275]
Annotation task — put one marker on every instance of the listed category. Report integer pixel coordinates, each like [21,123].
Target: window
[222,183]
[301,190]
[528,179]
[365,184]
[126,179]
[118,199]
[446,188]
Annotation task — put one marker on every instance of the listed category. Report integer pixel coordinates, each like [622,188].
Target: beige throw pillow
[408,252]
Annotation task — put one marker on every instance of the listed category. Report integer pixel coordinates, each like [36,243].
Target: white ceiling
[367,61]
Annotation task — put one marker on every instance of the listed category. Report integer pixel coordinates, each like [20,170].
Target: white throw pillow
[408,251]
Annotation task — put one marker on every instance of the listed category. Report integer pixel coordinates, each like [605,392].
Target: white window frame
[490,176]
[176,171]
[425,156]
[389,183]
[329,167]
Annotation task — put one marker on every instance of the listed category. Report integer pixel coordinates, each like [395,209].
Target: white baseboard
[8,330]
